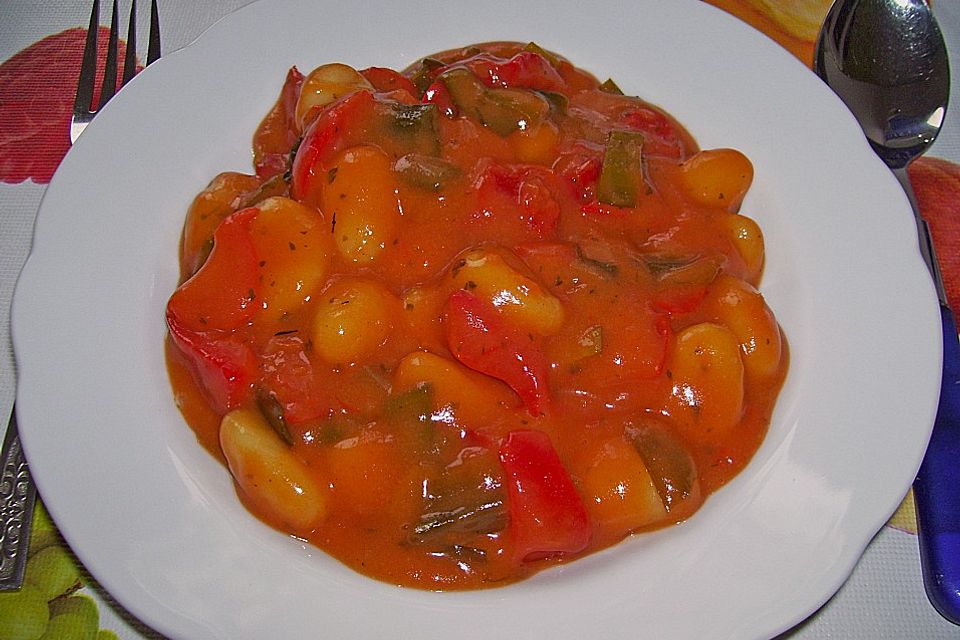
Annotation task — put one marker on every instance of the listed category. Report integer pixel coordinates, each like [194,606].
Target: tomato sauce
[473,318]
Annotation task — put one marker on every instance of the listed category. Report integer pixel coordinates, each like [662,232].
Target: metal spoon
[887,61]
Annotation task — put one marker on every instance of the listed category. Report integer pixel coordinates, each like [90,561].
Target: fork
[83,111]
[17,490]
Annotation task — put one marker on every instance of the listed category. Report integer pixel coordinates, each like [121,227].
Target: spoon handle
[936,490]
[923,231]
[937,487]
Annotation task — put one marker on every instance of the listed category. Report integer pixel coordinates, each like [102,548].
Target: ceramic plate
[155,518]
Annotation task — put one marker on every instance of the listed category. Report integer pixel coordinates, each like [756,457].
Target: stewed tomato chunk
[474,318]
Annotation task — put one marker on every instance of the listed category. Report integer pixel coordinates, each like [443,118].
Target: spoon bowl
[887,60]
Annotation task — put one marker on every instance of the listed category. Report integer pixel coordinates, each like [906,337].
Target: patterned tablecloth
[40,45]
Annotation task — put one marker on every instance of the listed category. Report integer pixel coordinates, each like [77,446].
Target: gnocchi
[362,199]
[706,373]
[740,307]
[518,297]
[717,178]
[325,84]
[268,473]
[355,317]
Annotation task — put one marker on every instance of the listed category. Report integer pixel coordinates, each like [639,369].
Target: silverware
[17,497]
[83,111]
[887,61]
[17,490]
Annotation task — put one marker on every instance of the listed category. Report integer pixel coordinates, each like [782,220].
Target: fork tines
[83,105]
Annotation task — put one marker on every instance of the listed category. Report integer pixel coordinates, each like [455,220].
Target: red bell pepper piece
[386,80]
[547,516]
[438,94]
[525,69]
[273,158]
[529,187]
[661,137]
[204,311]
[539,207]
[223,366]
[221,295]
[580,169]
[322,140]
[482,340]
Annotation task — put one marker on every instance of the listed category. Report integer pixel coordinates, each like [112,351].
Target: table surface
[883,598]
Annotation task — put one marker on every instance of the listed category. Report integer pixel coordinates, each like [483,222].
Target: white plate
[155,518]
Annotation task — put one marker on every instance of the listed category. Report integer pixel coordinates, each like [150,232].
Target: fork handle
[17,497]
[937,487]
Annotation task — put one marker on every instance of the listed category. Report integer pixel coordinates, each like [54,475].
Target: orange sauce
[474,319]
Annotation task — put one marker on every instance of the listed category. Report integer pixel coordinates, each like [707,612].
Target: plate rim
[29,401]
